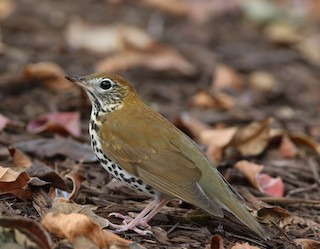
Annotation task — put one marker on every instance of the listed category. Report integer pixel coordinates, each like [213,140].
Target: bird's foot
[129,223]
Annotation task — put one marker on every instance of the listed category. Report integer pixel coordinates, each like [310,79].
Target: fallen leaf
[47,174]
[7,7]
[307,243]
[48,74]
[74,226]
[282,33]
[189,125]
[32,230]
[216,242]
[250,170]
[244,246]
[262,81]
[271,186]
[251,140]
[76,179]
[226,78]
[203,99]
[3,122]
[287,148]
[310,49]
[174,7]
[218,137]
[274,215]
[19,158]
[63,123]
[214,153]
[66,206]
[301,139]
[14,183]
[155,57]
[49,147]
[105,39]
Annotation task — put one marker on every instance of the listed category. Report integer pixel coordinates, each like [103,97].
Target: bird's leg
[141,219]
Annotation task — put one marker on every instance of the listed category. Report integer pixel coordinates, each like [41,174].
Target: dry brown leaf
[225,78]
[262,81]
[274,215]
[282,33]
[105,39]
[287,148]
[65,206]
[58,146]
[74,226]
[310,49]
[191,126]
[307,243]
[214,153]
[203,99]
[14,183]
[32,229]
[63,123]
[224,100]
[244,246]
[76,179]
[48,74]
[218,137]
[301,139]
[251,140]
[156,57]
[7,7]
[19,158]
[250,170]
[216,242]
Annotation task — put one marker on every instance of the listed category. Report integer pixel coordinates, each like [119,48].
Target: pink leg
[141,220]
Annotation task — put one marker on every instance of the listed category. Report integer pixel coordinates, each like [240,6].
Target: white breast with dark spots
[116,171]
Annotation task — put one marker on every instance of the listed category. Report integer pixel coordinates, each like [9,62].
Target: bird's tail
[217,189]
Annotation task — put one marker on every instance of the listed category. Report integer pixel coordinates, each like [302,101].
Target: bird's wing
[157,152]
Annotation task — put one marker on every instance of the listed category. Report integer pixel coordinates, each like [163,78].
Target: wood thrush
[139,147]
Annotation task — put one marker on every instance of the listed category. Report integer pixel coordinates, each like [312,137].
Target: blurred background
[240,77]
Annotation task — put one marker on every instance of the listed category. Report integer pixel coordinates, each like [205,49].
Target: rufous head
[105,91]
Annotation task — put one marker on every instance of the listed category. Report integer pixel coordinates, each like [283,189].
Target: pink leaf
[269,185]
[3,122]
[62,122]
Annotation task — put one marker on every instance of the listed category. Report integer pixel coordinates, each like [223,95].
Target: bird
[142,149]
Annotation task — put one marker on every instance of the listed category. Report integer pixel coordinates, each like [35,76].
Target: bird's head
[106,92]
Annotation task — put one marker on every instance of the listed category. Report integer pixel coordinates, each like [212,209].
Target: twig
[285,200]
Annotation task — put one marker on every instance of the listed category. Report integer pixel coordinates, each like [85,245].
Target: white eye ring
[106,84]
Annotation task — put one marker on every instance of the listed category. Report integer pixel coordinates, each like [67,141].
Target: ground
[213,69]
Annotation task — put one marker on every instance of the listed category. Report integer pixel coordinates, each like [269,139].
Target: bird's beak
[76,79]
[73,78]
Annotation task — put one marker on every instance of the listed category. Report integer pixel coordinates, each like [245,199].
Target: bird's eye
[106,84]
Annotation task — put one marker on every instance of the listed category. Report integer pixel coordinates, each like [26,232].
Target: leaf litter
[235,76]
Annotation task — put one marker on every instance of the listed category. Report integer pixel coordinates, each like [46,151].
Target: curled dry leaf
[287,148]
[250,170]
[15,183]
[203,99]
[74,226]
[263,182]
[48,74]
[3,122]
[105,39]
[306,141]
[155,57]
[307,243]
[19,158]
[244,246]
[76,179]
[58,146]
[32,229]
[218,137]
[251,140]
[274,215]
[269,185]
[226,78]
[47,174]
[65,206]
[216,242]
[63,123]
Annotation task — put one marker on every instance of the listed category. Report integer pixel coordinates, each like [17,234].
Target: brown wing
[148,146]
